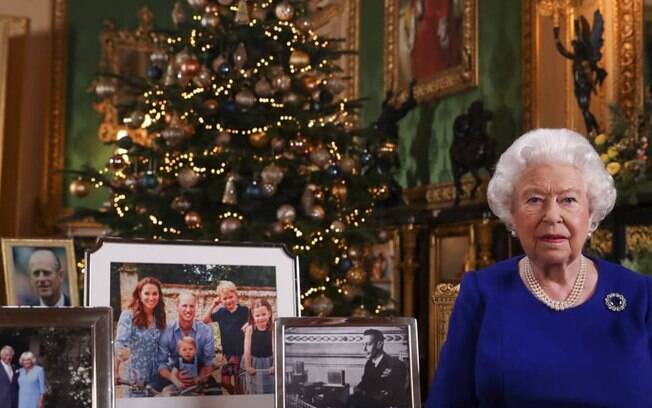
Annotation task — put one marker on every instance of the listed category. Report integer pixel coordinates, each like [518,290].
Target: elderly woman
[137,334]
[31,382]
[554,327]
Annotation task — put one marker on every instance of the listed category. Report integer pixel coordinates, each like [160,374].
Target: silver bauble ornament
[284,11]
[337,227]
[281,82]
[229,225]
[181,204]
[104,88]
[272,174]
[348,165]
[286,214]
[223,138]
[245,98]
[173,136]
[188,177]
[322,305]
[158,57]
[268,189]
[210,20]
[335,85]
[317,213]
[135,119]
[263,88]
[197,4]
[80,188]
[320,156]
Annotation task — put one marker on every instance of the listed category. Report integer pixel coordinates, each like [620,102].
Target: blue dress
[143,348]
[30,386]
[507,349]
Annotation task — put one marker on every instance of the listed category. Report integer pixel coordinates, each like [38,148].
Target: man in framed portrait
[384,381]
[186,325]
[8,379]
[46,276]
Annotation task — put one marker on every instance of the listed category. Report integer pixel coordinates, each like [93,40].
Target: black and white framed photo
[347,362]
[40,272]
[56,357]
[194,320]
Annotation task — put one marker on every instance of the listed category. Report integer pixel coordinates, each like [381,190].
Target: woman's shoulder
[126,315]
[621,277]
[497,275]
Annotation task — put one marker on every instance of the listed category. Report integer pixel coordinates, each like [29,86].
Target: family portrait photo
[338,364]
[40,272]
[197,326]
[193,329]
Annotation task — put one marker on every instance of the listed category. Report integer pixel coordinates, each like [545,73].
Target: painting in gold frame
[40,272]
[433,43]
[382,262]
[338,19]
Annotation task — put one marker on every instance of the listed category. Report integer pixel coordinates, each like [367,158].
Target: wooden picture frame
[444,38]
[38,272]
[82,336]
[117,268]
[325,359]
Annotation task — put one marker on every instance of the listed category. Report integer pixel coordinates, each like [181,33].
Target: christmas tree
[250,139]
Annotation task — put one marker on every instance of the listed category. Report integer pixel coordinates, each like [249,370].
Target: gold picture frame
[382,262]
[441,301]
[339,19]
[445,39]
[19,283]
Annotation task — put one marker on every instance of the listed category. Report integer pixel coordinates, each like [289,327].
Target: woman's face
[149,296]
[261,317]
[28,362]
[551,213]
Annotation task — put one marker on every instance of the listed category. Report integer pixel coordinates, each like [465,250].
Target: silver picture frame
[322,360]
[72,345]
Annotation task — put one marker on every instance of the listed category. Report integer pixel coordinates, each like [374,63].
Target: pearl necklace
[558,305]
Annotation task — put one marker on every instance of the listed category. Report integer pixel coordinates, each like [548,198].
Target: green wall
[426,132]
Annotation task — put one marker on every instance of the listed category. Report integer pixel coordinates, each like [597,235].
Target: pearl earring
[513,233]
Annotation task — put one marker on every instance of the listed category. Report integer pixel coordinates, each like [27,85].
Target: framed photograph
[62,355]
[382,261]
[347,362]
[452,252]
[40,272]
[194,320]
[433,43]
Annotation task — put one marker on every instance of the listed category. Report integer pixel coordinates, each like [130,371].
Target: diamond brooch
[615,302]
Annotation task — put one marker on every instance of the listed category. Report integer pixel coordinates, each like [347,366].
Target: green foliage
[639,261]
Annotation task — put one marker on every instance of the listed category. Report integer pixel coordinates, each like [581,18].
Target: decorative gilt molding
[437,196]
[529,67]
[52,194]
[441,302]
[454,79]
[628,27]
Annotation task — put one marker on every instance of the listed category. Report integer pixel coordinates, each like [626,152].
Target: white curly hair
[551,146]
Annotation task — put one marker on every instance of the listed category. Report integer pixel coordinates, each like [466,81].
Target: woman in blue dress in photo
[31,382]
[553,328]
[137,335]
